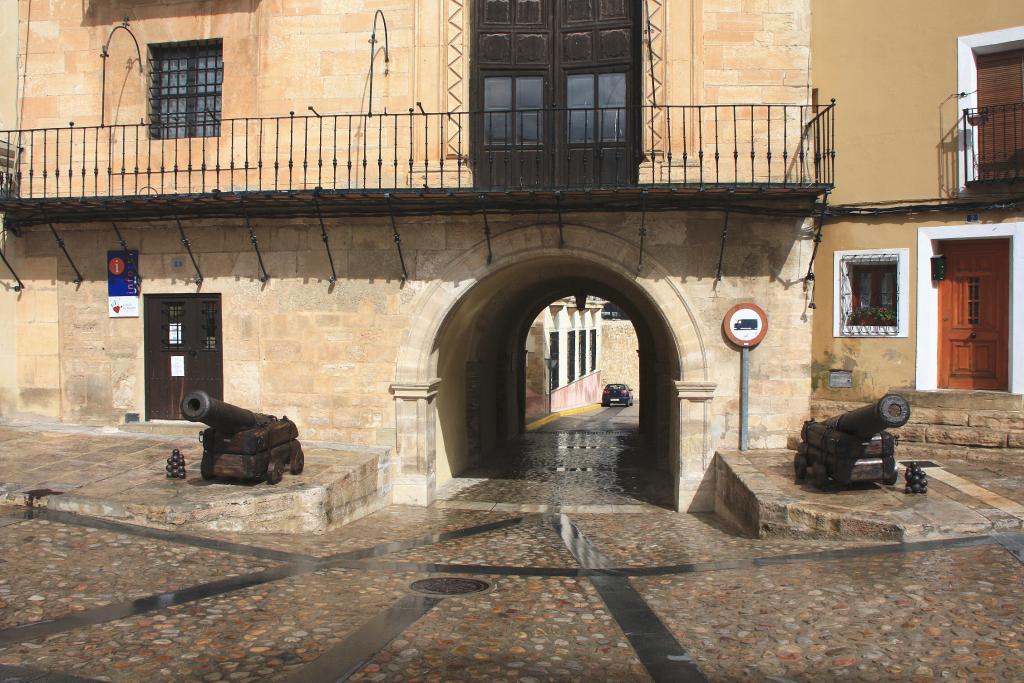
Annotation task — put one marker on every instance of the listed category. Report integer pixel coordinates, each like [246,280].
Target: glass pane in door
[580,101]
[611,100]
[529,103]
[498,105]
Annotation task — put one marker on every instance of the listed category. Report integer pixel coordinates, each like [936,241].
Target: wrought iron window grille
[849,327]
[185,89]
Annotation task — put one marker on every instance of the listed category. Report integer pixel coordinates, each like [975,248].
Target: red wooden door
[183,351]
[974,315]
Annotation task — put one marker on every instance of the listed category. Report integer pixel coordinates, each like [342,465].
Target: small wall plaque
[840,379]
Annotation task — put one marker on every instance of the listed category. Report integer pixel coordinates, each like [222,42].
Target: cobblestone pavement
[590,596]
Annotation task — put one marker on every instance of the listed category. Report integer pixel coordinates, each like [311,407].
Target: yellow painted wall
[892,67]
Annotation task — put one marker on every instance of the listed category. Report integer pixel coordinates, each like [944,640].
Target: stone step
[971,419]
[963,400]
[908,450]
[163,428]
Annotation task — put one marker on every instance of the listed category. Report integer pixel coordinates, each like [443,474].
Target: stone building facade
[361,265]
[620,363]
[564,356]
[928,225]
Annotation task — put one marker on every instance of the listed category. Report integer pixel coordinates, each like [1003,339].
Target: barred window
[870,292]
[185,89]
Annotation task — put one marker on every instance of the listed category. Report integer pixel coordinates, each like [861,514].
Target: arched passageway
[463,398]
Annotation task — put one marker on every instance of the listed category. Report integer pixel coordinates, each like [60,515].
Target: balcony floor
[405,202]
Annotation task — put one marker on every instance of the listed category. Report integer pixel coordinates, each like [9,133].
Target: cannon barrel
[892,410]
[198,406]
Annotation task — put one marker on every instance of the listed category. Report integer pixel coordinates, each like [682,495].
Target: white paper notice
[123,306]
[177,366]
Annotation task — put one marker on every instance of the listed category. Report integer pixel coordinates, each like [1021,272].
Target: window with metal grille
[174,314]
[185,89]
[211,316]
[571,356]
[870,289]
[553,366]
[593,350]
[583,352]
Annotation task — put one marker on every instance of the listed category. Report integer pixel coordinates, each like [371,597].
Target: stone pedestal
[415,420]
[696,492]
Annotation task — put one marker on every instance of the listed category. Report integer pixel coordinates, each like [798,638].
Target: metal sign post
[745,325]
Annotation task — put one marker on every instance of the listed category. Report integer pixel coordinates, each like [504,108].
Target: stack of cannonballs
[917,480]
[176,465]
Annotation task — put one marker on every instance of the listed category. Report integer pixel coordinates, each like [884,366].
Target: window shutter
[1001,78]
[1001,128]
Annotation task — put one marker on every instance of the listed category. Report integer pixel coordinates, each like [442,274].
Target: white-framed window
[980,160]
[871,293]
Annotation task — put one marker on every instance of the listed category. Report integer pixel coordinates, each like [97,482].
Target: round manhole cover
[449,585]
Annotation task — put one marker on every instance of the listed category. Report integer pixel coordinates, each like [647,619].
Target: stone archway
[453,309]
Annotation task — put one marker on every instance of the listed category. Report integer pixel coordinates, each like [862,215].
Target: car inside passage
[616,394]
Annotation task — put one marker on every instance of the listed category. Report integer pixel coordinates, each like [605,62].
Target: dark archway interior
[481,361]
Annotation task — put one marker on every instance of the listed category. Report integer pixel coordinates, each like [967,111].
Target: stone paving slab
[393,523]
[257,634]
[117,475]
[524,629]
[51,569]
[952,615]
[756,491]
[668,538]
[530,544]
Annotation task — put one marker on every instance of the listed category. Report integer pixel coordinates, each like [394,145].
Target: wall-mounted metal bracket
[397,238]
[127,253]
[104,54]
[487,228]
[643,229]
[198,277]
[264,275]
[323,235]
[817,238]
[18,287]
[60,243]
[725,235]
[561,227]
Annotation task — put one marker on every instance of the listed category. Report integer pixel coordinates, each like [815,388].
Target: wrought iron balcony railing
[753,145]
[993,143]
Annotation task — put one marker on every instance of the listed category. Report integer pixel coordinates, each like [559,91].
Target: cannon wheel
[891,479]
[298,461]
[206,467]
[800,467]
[275,471]
[820,475]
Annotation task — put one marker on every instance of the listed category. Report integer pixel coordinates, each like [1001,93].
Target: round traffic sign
[745,324]
[116,266]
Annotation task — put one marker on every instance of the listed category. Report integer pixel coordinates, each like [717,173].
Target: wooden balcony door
[555,84]
[974,315]
[183,350]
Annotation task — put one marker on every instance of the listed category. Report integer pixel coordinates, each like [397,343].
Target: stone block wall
[327,356]
[619,362]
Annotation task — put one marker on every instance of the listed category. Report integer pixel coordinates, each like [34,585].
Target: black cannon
[854,446]
[241,444]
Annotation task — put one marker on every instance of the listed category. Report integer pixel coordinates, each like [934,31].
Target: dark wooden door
[555,85]
[183,350]
[974,315]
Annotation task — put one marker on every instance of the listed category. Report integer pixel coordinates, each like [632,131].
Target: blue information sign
[123,284]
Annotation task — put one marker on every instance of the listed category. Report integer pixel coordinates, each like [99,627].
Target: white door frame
[928,298]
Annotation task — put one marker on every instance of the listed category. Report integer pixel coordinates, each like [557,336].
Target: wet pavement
[596,459]
[624,591]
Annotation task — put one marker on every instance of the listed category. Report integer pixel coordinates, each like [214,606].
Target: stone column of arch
[696,489]
[415,419]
